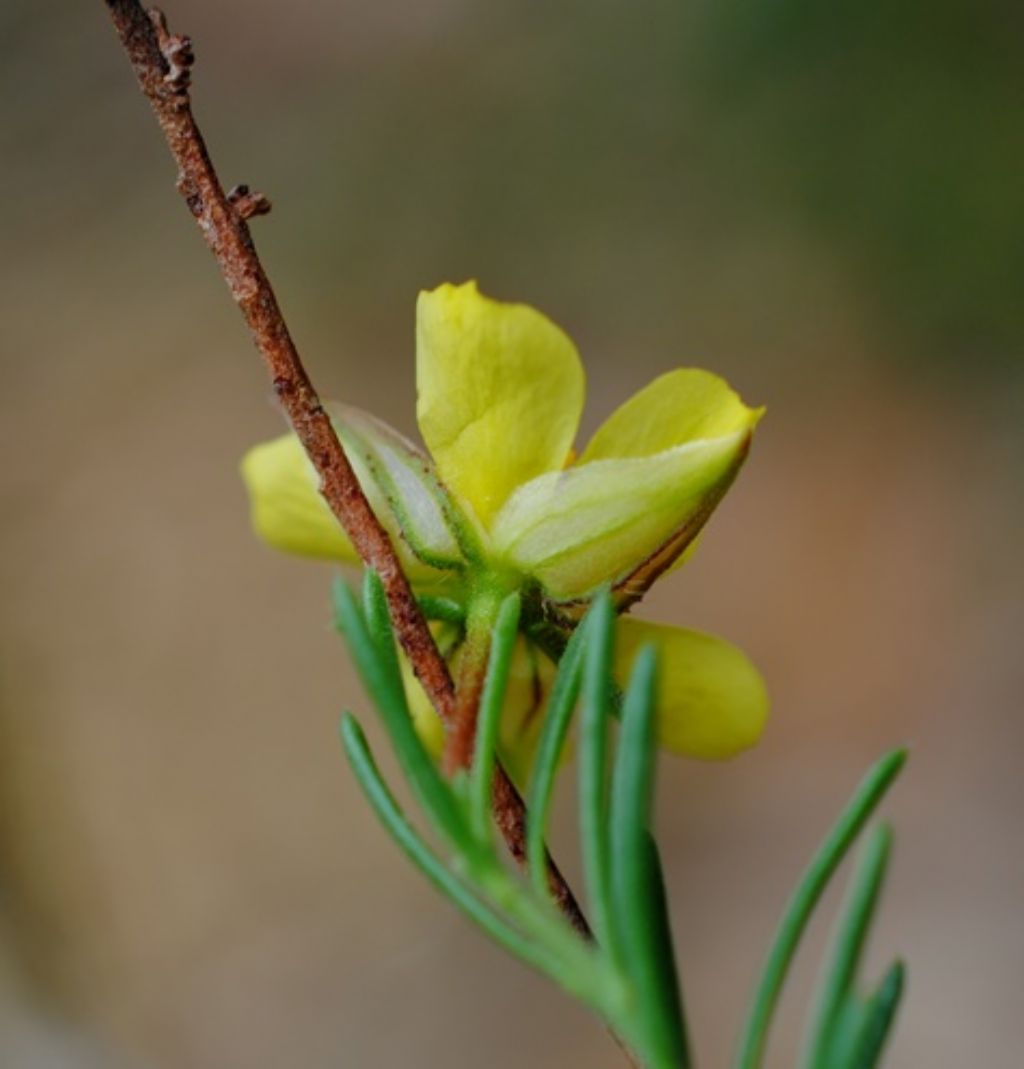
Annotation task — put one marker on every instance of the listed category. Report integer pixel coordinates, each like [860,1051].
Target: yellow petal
[287,509]
[500,391]
[597,522]
[712,700]
[681,406]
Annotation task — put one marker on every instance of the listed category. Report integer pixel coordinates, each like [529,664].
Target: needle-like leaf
[840,973]
[804,899]
[878,1016]
[564,692]
[640,924]
[391,816]
[373,657]
[492,700]
[592,774]
[378,625]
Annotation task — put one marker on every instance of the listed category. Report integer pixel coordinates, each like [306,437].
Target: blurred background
[822,202]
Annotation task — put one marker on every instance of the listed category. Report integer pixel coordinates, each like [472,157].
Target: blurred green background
[821,201]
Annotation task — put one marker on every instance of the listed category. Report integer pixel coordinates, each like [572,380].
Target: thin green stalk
[637,892]
[840,973]
[592,769]
[802,903]
[564,693]
[492,701]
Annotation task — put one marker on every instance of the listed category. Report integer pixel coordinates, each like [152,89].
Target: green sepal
[432,525]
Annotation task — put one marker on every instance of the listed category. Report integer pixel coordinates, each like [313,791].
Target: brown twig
[162,63]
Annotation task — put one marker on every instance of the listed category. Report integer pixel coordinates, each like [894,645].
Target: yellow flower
[503,501]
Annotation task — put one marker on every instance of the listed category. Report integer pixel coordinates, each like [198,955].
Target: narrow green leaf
[391,816]
[378,624]
[804,899]
[492,700]
[878,1016]
[663,958]
[592,767]
[851,933]
[378,673]
[374,669]
[564,692]
[638,917]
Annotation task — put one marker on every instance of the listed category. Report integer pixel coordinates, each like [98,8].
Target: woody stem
[162,63]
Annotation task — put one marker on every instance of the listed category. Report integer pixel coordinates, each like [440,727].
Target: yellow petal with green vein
[680,406]
[594,523]
[712,701]
[500,392]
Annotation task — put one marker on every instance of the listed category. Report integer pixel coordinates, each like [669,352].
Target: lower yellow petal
[500,392]
[712,701]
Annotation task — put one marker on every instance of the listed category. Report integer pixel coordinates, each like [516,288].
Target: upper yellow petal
[680,406]
[712,701]
[500,392]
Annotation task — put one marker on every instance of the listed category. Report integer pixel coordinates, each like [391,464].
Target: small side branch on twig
[162,62]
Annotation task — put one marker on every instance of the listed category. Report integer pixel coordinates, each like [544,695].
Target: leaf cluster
[626,970]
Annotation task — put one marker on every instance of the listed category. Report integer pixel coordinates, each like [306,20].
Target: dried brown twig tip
[161,62]
[176,49]
[248,202]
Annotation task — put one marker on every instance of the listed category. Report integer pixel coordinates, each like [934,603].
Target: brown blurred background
[822,202]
